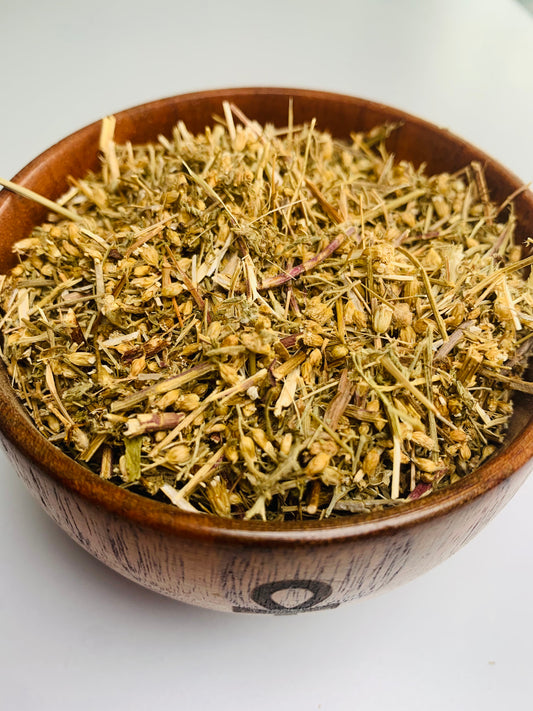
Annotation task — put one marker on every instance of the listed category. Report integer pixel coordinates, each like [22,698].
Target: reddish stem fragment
[340,402]
[153,422]
[295,272]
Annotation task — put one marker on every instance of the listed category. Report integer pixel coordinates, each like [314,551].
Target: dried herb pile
[262,322]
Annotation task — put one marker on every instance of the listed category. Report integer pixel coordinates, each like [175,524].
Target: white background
[74,635]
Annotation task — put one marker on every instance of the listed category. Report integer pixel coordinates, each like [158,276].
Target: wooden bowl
[255,566]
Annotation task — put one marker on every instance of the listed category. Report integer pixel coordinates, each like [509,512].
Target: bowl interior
[416,141]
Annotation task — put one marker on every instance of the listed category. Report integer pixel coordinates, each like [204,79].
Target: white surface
[74,635]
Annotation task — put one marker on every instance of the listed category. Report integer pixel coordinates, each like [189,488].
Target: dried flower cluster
[262,322]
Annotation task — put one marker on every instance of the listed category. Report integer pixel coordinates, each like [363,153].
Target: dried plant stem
[438,318]
[400,377]
[209,190]
[45,202]
[498,273]
[295,272]
[201,475]
[165,386]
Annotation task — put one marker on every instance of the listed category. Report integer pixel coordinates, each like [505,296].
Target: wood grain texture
[253,566]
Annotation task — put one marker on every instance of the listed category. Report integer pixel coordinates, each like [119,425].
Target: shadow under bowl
[251,566]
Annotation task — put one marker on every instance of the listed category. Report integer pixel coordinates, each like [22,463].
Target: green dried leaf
[132,457]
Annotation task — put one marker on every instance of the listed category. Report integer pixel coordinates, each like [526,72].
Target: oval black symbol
[262,594]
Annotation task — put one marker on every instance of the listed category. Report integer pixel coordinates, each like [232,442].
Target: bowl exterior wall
[249,576]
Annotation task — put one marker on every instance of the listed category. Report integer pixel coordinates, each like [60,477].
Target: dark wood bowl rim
[165,518]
